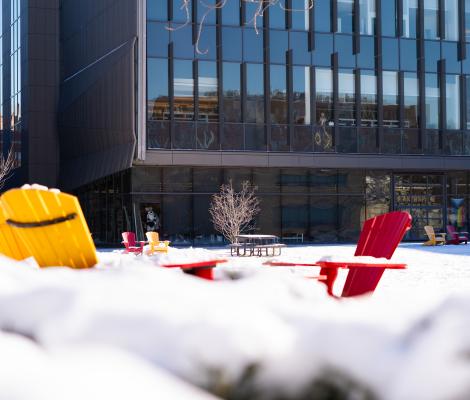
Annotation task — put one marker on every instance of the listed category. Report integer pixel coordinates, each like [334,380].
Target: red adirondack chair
[456,237]
[379,238]
[128,239]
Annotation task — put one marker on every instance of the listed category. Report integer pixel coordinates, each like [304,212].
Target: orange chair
[155,244]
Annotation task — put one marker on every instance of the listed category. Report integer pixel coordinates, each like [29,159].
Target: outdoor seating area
[441,238]
[256,245]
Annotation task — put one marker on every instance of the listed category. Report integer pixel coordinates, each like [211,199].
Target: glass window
[389,17]
[277,15]
[207,47]
[344,47]
[408,55]
[390,99]
[368,98]
[183,90]
[233,137]
[158,37]
[206,12]
[182,14]
[390,53]
[301,95]
[345,16]
[254,93]
[323,49]
[410,18]
[207,136]
[253,14]
[208,91]
[299,46]
[278,94]
[183,42]
[366,58]
[301,14]
[450,54]
[367,17]
[157,10]
[252,44]
[467,83]
[279,43]
[231,12]
[411,100]
[324,96]
[467,20]
[431,19]
[232,44]
[255,137]
[432,54]
[346,98]
[158,104]
[432,101]
[451,20]
[279,140]
[453,101]
[231,92]
[323,15]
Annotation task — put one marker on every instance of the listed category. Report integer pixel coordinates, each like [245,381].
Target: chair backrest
[430,232]
[380,237]
[152,237]
[128,238]
[451,231]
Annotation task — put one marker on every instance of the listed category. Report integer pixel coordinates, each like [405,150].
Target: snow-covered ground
[130,329]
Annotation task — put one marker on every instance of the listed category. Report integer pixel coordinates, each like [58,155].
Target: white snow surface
[130,326]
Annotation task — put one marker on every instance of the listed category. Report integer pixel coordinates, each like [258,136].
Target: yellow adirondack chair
[433,239]
[156,244]
[10,244]
[50,225]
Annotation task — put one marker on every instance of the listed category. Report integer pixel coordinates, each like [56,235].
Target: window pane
[367,17]
[390,53]
[231,92]
[345,16]
[278,94]
[366,58]
[299,46]
[279,41]
[206,12]
[231,13]
[255,138]
[323,49]
[208,91]
[467,20]
[432,101]
[451,20]
[254,93]
[467,80]
[389,18]
[390,99]
[252,14]
[410,18]
[323,15]
[344,47]
[183,42]
[324,96]
[182,14]
[207,47]
[157,10]
[408,55]
[277,15]
[346,98]
[431,19]
[453,101]
[253,45]
[368,98]
[183,87]
[301,95]
[158,105]
[432,54]
[411,100]
[300,15]
[450,54]
[158,37]
[232,44]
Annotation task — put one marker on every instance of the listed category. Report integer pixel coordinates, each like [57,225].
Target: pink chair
[128,239]
[455,236]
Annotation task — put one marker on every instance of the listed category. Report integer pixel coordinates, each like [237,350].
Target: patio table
[255,244]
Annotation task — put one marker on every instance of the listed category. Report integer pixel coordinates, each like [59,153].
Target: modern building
[336,113]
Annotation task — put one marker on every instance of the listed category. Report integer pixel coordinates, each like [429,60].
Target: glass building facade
[381,78]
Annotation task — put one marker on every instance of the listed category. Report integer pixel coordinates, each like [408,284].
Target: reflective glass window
[451,20]
[453,101]
[323,49]
[252,45]
[183,42]
[467,84]
[450,54]
[231,92]
[301,95]
[367,17]
[344,47]
[157,10]
[233,137]
[231,12]
[279,44]
[206,12]
[279,140]
[410,18]
[390,53]
[366,58]
[277,15]
[389,17]
[299,46]
[158,37]
[324,96]
[368,98]
[232,43]
[255,137]
[408,55]
[323,15]
[206,48]
[208,91]
[432,101]
[301,15]
[432,54]
[278,94]
[253,11]
[346,98]
[158,104]
[466,61]
[254,93]
[467,20]
[182,14]
[183,90]
[431,19]
[411,100]
[390,99]
[345,16]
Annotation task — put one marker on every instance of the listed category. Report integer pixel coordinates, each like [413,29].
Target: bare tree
[6,165]
[233,212]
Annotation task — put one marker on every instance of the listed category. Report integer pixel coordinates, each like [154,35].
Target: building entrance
[423,197]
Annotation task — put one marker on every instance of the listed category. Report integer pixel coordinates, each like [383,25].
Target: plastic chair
[434,239]
[155,244]
[455,236]
[128,240]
